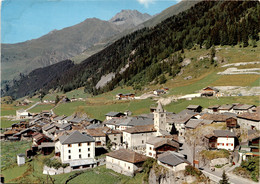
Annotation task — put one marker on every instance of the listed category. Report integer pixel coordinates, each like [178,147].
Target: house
[38,138]
[115,137]
[250,148]
[249,120]
[194,108]
[242,108]
[138,135]
[194,123]
[59,119]
[211,141]
[9,133]
[25,134]
[232,122]
[99,134]
[22,114]
[21,124]
[209,91]
[225,108]
[76,149]
[225,139]
[128,122]
[159,92]
[173,161]
[158,145]
[213,109]
[112,115]
[216,118]
[127,96]
[47,147]
[125,161]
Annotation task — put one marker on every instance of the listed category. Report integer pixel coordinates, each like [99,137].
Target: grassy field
[5,123]
[235,80]
[255,83]
[99,109]
[206,102]
[41,107]
[9,151]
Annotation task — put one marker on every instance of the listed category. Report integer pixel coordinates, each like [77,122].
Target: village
[124,142]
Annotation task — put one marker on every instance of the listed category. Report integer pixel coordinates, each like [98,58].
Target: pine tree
[224,178]
[57,99]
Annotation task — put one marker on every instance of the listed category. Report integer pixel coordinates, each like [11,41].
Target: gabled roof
[159,141]
[214,107]
[193,106]
[224,133]
[243,107]
[172,158]
[215,117]
[250,116]
[127,155]
[97,132]
[76,137]
[140,129]
[225,107]
[212,88]
[135,121]
[59,118]
[115,114]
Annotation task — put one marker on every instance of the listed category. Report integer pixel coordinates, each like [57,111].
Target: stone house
[138,135]
[125,162]
[76,149]
[242,108]
[249,120]
[112,115]
[173,161]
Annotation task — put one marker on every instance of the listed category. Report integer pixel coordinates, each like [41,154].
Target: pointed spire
[159,107]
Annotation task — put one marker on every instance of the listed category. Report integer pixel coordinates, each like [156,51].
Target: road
[33,106]
[213,175]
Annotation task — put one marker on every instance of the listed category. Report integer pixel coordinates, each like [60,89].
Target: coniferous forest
[206,24]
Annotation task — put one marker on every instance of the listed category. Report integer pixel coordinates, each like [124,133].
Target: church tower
[159,118]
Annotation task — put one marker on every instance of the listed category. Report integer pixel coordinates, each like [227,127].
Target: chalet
[21,124]
[225,108]
[125,161]
[9,133]
[127,96]
[23,114]
[194,108]
[39,138]
[25,134]
[138,135]
[59,119]
[47,147]
[93,121]
[99,135]
[213,109]
[216,118]
[242,108]
[232,122]
[158,145]
[209,91]
[173,161]
[249,120]
[159,92]
[225,139]
[211,141]
[76,149]
[112,115]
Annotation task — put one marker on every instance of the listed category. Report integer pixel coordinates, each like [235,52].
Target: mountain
[173,10]
[146,54]
[129,18]
[63,44]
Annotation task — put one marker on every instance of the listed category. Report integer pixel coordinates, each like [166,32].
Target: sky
[23,20]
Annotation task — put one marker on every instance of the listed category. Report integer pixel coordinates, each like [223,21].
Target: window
[142,141]
[79,144]
[222,144]
[128,168]
[150,148]
[114,139]
[69,151]
[79,150]
[69,145]
[88,149]
[226,144]
[150,153]
[89,155]
[69,157]
[218,144]
[161,115]
[88,144]
[231,144]
[79,156]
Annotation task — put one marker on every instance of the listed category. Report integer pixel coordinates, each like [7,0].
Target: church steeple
[159,107]
[159,118]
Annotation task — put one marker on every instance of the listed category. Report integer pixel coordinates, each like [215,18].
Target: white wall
[179,167]
[247,123]
[120,166]
[138,139]
[226,143]
[87,151]
[150,152]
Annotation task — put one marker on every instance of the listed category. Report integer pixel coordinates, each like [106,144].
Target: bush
[190,170]
[148,164]
[54,163]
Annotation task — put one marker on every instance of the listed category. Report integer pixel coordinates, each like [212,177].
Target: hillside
[62,44]
[144,64]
